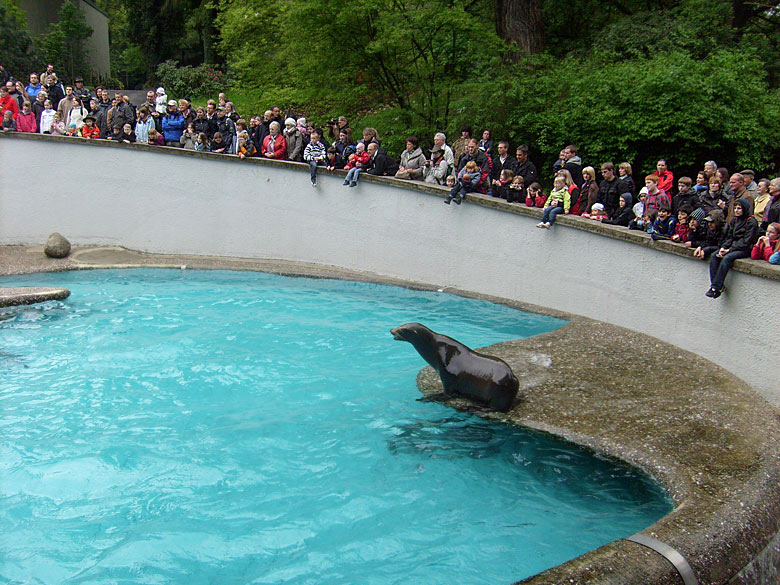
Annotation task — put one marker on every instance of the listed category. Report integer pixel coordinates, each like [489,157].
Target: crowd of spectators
[720,215]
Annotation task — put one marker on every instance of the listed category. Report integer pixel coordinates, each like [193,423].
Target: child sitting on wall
[558,202]
[468,177]
[314,153]
[357,163]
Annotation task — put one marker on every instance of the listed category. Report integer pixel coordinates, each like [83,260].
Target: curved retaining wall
[170,201]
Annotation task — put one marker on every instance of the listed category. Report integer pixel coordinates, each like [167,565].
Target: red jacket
[359,160]
[279,146]
[87,132]
[762,251]
[666,182]
[9,103]
[538,201]
[26,122]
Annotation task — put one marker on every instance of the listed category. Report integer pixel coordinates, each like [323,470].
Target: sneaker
[716,293]
[314,182]
[547,226]
[353,184]
[712,292]
[458,200]
[345,183]
[447,200]
[540,224]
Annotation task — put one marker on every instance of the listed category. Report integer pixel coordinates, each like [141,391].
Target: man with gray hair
[440,140]
[710,167]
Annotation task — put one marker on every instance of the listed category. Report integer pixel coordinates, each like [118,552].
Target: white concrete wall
[173,203]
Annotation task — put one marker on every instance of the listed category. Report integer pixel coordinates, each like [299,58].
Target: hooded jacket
[621,215]
[741,232]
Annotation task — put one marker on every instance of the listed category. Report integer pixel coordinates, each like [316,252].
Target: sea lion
[462,371]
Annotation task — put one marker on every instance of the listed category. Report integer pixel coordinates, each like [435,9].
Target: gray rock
[57,246]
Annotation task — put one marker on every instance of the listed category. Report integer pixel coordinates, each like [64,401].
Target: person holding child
[468,178]
[358,162]
[558,202]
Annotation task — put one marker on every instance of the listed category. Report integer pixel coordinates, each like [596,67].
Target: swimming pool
[204,427]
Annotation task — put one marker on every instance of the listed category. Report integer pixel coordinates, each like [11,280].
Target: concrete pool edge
[707,436]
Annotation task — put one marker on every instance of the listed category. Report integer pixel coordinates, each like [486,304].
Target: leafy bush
[191,82]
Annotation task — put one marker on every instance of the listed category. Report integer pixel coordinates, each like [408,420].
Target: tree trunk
[520,22]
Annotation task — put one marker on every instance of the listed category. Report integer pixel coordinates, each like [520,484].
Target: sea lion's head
[409,332]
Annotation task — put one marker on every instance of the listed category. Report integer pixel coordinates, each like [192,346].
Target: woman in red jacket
[274,145]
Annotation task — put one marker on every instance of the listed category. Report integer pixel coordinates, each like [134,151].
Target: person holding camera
[336,125]
[435,170]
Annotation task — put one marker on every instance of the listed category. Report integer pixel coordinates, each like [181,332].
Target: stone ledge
[28,295]
[703,433]
[754,267]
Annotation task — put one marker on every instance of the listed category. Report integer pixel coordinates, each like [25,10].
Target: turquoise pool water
[185,427]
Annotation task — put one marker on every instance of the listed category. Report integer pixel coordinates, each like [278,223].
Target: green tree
[16,48]
[65,44]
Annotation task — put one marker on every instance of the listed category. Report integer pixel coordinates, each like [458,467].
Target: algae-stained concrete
[28,295]
[704,434]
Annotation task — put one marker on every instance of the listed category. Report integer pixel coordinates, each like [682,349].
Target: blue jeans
[313,167]
[353,174]
[719,267]
[550,213]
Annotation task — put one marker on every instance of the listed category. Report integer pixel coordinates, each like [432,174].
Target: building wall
[41,13]
[169,201]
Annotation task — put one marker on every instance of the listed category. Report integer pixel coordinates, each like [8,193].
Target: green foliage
[191,82]
[669,105]
[16,48]
[623,79]
[344,54]
[64,44]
